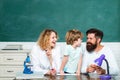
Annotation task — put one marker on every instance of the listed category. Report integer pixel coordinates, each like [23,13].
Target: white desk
[40,76]
[35,75]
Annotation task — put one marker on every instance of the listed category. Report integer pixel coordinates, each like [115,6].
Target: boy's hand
[77,72]
[61,72]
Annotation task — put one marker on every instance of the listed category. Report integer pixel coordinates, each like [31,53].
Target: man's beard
[91,47]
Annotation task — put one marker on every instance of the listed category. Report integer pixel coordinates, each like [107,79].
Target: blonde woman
[45,55]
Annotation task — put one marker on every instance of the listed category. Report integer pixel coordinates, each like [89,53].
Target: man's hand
[99,70]
[96,68]
[91,68]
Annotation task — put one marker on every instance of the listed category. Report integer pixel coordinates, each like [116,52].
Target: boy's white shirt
[74,56]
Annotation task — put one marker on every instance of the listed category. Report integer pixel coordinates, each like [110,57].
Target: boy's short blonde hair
[73,35]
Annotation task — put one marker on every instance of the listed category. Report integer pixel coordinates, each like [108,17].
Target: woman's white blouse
[40,60]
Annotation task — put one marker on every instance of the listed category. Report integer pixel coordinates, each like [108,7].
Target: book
[13,47]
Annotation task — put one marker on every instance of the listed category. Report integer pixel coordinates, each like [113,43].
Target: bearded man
[94,50]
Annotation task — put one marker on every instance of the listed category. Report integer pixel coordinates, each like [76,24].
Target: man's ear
[98,40]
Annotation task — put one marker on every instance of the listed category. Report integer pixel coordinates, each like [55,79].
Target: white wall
[114,46]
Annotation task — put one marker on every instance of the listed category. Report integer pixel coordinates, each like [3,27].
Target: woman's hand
[49,55]
[48,52]
[53,72]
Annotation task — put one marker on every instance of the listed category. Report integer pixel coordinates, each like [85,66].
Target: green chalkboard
[23,20]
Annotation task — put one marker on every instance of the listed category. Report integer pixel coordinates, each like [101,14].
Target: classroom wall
[114,46]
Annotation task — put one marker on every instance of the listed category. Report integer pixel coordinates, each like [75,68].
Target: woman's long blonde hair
[44,38]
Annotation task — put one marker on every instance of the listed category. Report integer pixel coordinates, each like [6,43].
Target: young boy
[72,59]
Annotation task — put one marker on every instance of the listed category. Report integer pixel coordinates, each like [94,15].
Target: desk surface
[67,77]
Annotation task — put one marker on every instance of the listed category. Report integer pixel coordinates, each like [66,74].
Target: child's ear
[75,41]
